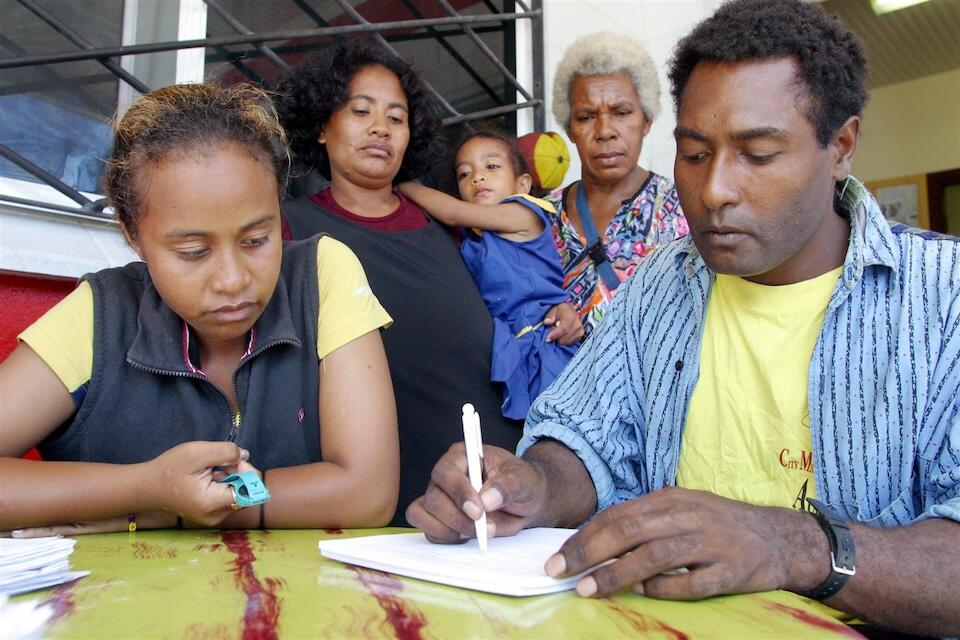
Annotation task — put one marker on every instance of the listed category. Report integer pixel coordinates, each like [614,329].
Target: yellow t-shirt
[63,337]
[747,433]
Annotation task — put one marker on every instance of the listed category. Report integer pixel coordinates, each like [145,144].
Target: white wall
[657,24]
[910,128]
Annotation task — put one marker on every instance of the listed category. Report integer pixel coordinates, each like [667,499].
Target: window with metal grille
[65,67]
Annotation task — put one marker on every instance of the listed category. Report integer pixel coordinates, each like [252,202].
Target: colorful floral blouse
[650,218]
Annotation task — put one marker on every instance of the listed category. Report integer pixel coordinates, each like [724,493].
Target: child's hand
[430,199]
[183,480]
[407,187]
[567,328]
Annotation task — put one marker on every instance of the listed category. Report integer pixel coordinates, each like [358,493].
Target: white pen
[474,444]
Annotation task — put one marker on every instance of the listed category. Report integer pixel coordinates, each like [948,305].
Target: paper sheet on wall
[511,566]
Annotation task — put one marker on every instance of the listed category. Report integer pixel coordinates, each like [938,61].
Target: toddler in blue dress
[511,253]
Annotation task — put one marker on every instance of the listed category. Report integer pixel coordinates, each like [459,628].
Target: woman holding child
[223,351]
[363,119]
[606,95]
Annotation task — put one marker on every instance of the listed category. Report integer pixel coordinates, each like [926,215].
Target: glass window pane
[56,115]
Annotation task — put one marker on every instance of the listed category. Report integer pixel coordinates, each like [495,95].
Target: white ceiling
[910,43]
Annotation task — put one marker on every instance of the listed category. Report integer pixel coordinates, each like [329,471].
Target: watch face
[248,488]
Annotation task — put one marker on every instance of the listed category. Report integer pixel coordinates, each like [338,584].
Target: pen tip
[468,409]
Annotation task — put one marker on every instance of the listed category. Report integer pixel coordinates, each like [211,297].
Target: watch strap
[843,552]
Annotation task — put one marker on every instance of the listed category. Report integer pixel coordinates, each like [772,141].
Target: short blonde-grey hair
[601,54]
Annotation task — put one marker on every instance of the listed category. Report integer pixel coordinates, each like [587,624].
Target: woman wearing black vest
[363,119]
[224,351]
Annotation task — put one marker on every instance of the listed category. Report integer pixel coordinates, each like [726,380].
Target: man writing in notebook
[799,347]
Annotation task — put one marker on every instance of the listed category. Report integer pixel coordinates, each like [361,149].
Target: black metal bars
[85,46]
[87,206]
[467,24]
[256,38]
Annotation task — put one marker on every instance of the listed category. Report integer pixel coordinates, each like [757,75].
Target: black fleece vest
[439,344]
[142,399]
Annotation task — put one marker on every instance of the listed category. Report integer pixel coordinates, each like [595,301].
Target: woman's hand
[146,520]
[183,480]
[567,328]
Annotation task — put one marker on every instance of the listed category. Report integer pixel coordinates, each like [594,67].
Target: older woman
[606,95]
[364,120]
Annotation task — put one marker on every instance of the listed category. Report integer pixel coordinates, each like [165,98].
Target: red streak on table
[384,587]
[813,621]
[261,615]
[644,624]
[62,602]
[145,551]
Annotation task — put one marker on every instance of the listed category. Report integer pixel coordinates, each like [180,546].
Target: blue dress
[520,282]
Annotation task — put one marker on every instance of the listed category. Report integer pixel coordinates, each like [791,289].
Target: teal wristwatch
[248,489]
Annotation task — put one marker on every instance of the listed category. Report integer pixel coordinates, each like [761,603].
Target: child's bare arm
[509,217]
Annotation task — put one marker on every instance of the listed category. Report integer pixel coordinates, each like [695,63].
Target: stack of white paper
[23,620]
[511,566]
[35,563]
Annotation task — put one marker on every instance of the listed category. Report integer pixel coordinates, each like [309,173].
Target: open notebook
[510,566]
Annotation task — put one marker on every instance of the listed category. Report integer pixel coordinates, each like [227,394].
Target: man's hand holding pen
[512,497]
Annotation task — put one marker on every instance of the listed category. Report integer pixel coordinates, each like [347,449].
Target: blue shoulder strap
[595,246]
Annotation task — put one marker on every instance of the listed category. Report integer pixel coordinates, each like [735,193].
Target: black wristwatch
[843,553]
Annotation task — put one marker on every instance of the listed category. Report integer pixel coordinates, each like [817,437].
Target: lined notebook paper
[510,566]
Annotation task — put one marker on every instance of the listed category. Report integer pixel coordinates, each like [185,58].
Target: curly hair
[832,63]
[600,54]
[309,94]
[189,119]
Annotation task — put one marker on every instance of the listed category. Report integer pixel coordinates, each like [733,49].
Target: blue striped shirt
[883,383]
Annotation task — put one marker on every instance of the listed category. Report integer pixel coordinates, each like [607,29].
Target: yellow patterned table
[260,585]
